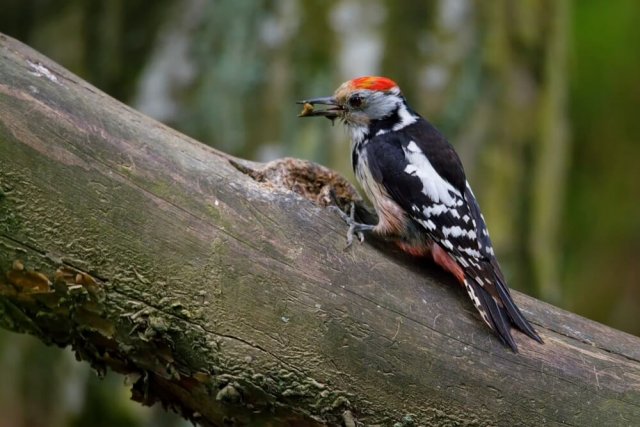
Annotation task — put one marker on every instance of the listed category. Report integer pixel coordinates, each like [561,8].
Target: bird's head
[358,102]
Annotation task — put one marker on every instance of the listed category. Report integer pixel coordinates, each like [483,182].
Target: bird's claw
[351,220]
[355,228]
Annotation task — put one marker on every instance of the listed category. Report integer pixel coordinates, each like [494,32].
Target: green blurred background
[539,97]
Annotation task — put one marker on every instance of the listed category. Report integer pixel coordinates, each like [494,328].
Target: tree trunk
[222,291]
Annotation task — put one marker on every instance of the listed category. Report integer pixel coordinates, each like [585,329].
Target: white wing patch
[433,185]
[457,231]
[435,209]
[446,216]
[428,224]
[469,251]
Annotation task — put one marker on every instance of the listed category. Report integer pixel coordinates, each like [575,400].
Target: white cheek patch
[358,133]
[433,185]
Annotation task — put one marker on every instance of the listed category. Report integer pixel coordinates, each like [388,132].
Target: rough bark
[228,297]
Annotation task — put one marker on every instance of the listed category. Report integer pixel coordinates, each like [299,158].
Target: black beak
[309,111]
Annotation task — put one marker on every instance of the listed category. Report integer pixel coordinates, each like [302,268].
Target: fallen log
[220,287]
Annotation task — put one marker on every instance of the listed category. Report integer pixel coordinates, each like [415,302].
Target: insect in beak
[331,113]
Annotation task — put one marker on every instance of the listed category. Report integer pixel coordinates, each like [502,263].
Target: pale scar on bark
[312,181]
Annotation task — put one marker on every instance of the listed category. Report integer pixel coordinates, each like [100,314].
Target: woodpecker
[418,187]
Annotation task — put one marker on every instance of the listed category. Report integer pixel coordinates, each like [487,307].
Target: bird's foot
[355,228]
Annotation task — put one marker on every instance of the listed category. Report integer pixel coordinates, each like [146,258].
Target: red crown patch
[373,83]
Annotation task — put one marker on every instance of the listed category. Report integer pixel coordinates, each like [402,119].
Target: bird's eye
[355,101]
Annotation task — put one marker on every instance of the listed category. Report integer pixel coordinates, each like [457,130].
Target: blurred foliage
[602,220]
[538,96]
[44,386]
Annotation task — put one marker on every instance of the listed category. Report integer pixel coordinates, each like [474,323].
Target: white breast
[392,218]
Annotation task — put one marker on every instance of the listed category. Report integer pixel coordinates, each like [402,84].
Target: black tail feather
[498,316]
[514,312]
[501,313]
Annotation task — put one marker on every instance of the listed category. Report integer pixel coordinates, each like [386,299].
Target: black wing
[422,173]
